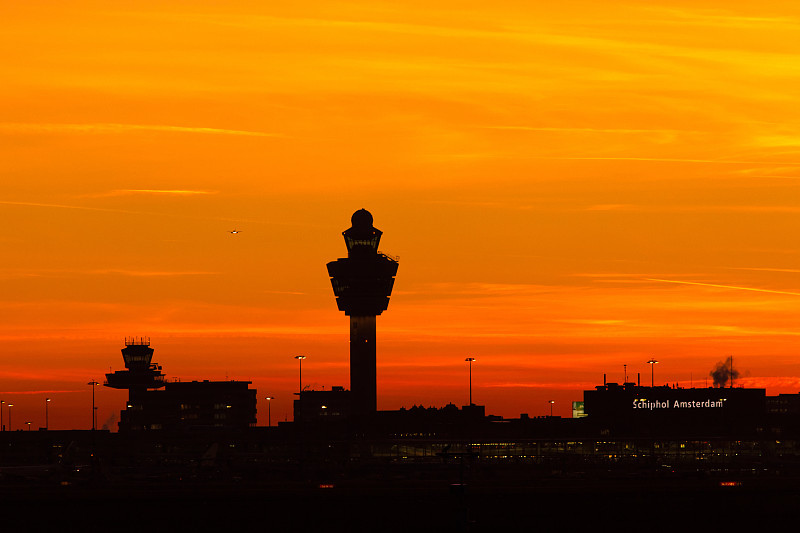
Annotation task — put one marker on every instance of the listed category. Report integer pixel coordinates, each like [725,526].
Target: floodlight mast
[470,360]
[652,362]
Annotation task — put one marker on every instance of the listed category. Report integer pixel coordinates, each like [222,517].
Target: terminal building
[313,406]
[630,409]
[184,405]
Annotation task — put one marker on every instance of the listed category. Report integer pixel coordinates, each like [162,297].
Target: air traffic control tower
[362,283]
[140,375]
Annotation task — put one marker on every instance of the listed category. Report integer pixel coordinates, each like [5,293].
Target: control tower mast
[362,283]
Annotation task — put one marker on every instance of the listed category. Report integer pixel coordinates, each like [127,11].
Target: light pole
[9,415]
[470,360]
[29,425]
[2,403]
[93,383]
[652,362]
[551,402]
[269,410]
[300,359]
[46,414]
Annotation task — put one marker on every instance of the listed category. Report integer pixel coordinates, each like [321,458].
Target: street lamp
[269,409]
[551,402]
[46,414]
[652,362]
[2,403]
[93,383]
[300,358]
[9,415]
[470,360]
[29,425]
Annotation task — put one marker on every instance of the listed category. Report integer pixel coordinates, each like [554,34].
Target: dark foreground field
[540,505]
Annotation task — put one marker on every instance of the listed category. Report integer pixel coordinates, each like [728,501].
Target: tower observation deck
[141,373]
[362,283]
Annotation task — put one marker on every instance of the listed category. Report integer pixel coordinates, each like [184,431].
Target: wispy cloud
[611,207]
[695,208]
[723,286]
[539,385]
[236,220]
[66,206]
[175,192]
[776,140]
[33,392]
[721,18]
[484,289]
[113,128]
[523,156]
[622,275]
[788,270]
[768,172]
[152,273]
[259,22]
[775,176]
[589,130]
[43,273]
[594,322]
[293,293]
[663,160]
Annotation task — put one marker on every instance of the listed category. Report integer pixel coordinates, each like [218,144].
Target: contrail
[722,286]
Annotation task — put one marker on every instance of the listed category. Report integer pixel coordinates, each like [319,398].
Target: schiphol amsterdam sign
[651,405]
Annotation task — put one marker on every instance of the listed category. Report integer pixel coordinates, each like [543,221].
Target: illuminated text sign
[677,404]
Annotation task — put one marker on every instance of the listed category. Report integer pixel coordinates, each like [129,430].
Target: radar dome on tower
[361,219]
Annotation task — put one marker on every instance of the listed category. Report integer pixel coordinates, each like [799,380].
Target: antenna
[731,371]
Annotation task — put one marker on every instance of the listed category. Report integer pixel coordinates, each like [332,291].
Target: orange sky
[570,187]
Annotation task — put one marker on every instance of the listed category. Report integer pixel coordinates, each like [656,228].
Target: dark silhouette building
[322,406]
[181,405]
[362,283]
[630,409]
[193,405]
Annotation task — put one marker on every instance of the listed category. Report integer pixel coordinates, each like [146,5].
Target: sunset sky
[570,186]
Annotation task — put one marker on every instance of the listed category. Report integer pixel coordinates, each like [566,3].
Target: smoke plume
[108,424]
[724,372]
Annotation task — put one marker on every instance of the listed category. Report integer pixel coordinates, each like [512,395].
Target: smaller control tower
[141,373]
[362,283]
